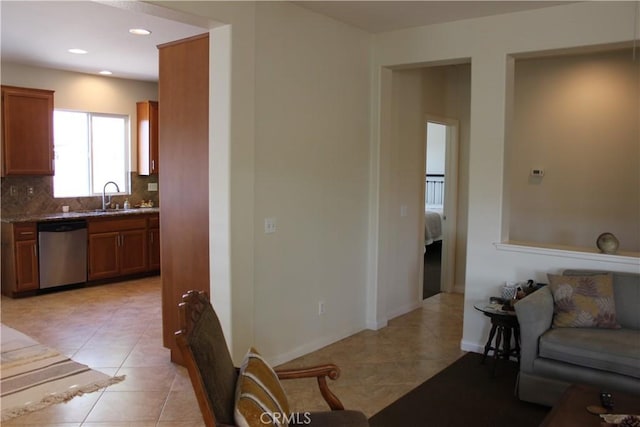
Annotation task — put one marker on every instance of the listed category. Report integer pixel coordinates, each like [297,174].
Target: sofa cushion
[260,398]
[609,350]
[626,291]
[583,301]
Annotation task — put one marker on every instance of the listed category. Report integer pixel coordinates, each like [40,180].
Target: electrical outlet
[30,190]
[321,308]
[152,186]
[13,190]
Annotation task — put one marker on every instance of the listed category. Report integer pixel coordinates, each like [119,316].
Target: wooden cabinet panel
[26,266]
[133,248]
[19,258]
[25,231]
[154,249]
[27,131]
[120,246]
[147,118]
[116,224]
[183,93]
[104,255]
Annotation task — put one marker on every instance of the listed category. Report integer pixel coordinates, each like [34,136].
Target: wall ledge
[626,258]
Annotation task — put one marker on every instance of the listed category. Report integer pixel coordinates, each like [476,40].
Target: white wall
[311,175]
[296,150]
[488,42]
[577,117]
[86,92]
[406,162]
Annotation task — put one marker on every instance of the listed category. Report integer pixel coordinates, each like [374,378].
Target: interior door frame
[450,209]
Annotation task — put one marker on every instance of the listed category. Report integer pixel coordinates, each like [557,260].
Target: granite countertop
[83,214]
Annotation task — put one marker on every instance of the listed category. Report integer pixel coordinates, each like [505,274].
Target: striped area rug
[34,376]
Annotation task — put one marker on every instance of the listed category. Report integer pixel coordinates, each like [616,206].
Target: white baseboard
[404,309]
[473,347]
[377,324]
[310,347]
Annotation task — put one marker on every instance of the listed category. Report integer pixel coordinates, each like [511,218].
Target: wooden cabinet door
[27,131]
[133,247]
[147,112]
[26,266]
[154,249]
[104,255]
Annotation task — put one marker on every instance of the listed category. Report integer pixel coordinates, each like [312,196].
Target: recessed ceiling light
[140,31]
[105,72]
[78,51]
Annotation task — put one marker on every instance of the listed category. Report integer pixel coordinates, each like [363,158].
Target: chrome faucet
[104,205]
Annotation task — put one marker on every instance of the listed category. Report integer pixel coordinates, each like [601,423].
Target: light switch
[403,210]
[269,225]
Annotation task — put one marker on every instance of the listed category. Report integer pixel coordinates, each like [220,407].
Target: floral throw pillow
[583,301]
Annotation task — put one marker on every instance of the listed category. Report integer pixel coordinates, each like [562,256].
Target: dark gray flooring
[432,262]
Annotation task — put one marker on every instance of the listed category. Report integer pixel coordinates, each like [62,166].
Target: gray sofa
[554,358]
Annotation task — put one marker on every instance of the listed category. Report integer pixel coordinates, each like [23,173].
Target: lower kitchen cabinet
[119,246]
[19,258]
[154,243]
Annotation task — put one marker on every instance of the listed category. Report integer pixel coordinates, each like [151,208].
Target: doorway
[440,207]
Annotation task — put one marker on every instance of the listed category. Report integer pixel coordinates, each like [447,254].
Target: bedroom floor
[117,329]
[432,265]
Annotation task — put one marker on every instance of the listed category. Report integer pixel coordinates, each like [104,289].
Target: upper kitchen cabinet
[27,131]
[147,112]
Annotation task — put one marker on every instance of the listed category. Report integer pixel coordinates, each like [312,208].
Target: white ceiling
[381,16]
[40,32]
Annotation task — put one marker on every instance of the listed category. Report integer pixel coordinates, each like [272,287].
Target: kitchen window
[90,150]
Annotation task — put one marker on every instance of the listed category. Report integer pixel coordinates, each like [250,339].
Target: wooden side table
[504,324]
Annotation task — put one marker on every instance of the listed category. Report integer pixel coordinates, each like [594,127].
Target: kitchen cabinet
[147,119]
[27,131]
[117,247]
[183,88]
[154,243]
[19,258]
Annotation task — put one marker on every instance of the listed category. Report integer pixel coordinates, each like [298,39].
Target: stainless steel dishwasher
[62,247]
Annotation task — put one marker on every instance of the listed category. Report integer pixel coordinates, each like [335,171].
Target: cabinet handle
[153,165]
[35,252]
[26,233]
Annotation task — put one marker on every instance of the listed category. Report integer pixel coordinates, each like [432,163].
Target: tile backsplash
[17,199]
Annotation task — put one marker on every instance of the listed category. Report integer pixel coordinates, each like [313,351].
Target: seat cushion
[583,301]
[611,350]
[260,399]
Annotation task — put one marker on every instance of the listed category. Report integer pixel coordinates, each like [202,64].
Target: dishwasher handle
[61,227]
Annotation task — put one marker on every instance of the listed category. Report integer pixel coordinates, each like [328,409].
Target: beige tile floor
[116,329]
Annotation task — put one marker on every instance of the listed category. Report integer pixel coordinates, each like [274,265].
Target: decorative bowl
[607,243]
